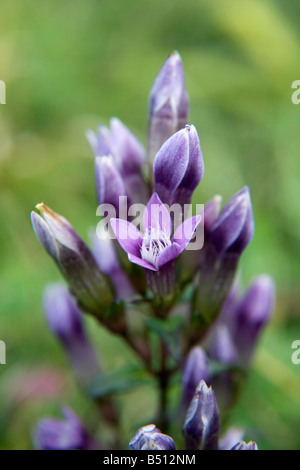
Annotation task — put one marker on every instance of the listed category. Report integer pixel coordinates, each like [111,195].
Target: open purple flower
[154,248]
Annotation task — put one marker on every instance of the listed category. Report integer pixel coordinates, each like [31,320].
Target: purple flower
[252,314]
[150,438]
[66,322]
[201,428]
[233,229]
[109,183]
[230,438]
[245,446]
[178,167]
[169,103]
[211,212]
[73,258]
[155,247]
[229,235]
[119,158]
[106,257]
[67,434]
[195,368]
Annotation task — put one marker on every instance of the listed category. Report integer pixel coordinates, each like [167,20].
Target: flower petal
[129,237]
[156,215]
[141,262]
[170,253]
[185,231]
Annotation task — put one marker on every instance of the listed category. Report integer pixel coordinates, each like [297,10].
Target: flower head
[66,434]
[150,438]
[154,247]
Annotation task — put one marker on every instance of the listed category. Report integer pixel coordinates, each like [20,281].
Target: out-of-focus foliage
[69,66]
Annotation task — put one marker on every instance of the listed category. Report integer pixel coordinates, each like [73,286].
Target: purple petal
[170,165]
[156,215]
[170,253]
[141,262]
[185,231]
[129,237]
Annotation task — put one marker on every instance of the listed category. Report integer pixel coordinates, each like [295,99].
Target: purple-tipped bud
[211,212]
[230,438]
[178,167]
[253,312]
[66,322]
[151,438]
[169,103]
[126,155]
[67,434]
[109,183]
[106,257]
[73,258]
[242,445]
[201,428]
[222,348]
[224,244]
[195,369]
[233,229]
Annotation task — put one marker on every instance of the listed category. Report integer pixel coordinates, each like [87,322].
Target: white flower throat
[155,241]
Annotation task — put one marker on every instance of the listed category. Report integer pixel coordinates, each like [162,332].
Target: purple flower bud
[151,438]
[252,314]
[109,183]
[201,428]
[195,368]
[67,434]
[211,212]
[126,158]
[233,229]
[229,440]
[169,103]
[178,167]
[245,446]
[66,322]
[106,257]
[73,258]
[222,347]
[226,240]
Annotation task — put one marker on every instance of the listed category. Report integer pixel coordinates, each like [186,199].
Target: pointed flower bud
[73,258]
[151,438]
[109,183]
[125,164]
[222,347]
[169,103]
[252,314]
[195,369]
[201,428]
[242,445]
[233,229]
[66,322]
[225,242]
[211,212]
[230,438]
[178,167]
[106,257]
[67,434]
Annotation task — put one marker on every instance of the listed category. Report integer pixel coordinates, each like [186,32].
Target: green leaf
[170,332]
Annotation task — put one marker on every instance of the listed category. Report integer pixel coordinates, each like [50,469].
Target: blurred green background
[69,66]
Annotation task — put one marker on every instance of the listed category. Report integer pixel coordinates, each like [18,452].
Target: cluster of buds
[177,281]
